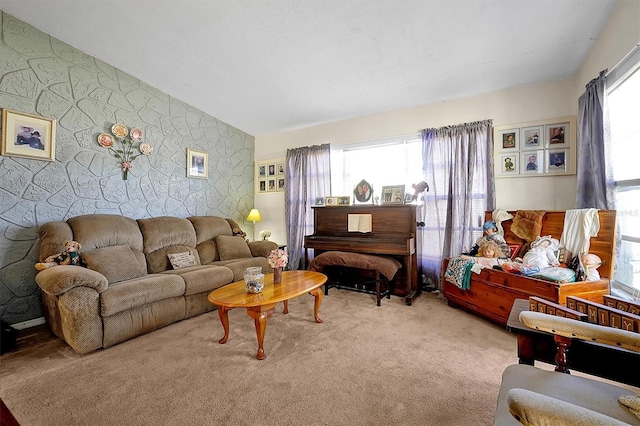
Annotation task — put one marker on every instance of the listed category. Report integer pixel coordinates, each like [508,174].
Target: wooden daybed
[492,292]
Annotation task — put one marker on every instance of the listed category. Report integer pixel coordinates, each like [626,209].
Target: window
[624,104]
[395,161]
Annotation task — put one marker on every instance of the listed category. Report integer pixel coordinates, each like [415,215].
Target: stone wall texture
[42,75]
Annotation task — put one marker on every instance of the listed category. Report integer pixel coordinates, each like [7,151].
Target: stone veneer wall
[42,75]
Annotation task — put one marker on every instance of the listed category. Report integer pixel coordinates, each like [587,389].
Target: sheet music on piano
[359,223]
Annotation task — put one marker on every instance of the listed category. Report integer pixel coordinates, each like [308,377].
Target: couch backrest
[207,228]
[111,245]
[166,235]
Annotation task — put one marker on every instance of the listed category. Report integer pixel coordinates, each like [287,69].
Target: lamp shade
[254,216]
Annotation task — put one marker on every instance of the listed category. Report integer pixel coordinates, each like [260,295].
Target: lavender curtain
[595,178]
[308,176]
[458,166]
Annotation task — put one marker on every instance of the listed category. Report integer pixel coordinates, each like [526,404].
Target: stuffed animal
[69,256]
[238,232]
[419,188]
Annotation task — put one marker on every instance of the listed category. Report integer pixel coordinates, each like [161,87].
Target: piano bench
[358,270]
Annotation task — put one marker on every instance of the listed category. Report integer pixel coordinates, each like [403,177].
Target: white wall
[525,104]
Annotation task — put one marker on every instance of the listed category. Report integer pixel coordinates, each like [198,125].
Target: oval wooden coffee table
[260,306]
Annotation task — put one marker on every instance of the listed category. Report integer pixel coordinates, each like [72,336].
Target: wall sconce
[254,216]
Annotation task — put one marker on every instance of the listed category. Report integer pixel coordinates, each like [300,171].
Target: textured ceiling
[267,66]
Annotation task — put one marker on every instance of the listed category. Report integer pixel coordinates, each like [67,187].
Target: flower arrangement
[278,259]
[130,145]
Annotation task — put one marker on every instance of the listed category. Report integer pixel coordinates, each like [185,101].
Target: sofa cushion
[140,291]
[181,260]
[117,263]
[203,278]
[209,227]
[163,236]
[231,248]
[238,266]
[96,231]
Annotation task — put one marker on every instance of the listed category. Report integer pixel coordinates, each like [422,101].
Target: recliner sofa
[130,286]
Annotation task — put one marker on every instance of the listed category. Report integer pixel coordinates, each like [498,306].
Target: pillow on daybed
[231,248]
[527,224]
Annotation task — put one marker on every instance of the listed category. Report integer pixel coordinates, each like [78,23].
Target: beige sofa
[129,286]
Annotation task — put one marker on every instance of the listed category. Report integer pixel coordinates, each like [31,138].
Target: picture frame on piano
[393,194]
[319,201]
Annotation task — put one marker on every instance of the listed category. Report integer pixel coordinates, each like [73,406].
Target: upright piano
[393,233]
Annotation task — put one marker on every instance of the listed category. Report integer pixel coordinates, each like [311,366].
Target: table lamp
[254,216]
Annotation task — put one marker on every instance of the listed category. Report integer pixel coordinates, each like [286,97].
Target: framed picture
[262,170]
[271,185]
[393,194]
[509,140]
[557,160]
[344,200]
[509,164]
[331,201]
[28,136]
[271,169]
[557,135]
[281,184]
[408,198]
[319,201]
[262,185]
[280,169]
[531,138]
[197,164]
[532,162]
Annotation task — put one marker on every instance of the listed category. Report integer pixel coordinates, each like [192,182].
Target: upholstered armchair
[533,396]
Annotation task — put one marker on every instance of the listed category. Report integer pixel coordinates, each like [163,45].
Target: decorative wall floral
[125,145]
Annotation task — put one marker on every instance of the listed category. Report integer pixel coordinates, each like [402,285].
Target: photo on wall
[557,160]
[509,164]
[509,140]
[532,138]
[532,162]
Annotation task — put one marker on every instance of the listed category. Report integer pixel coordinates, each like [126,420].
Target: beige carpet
[425,364]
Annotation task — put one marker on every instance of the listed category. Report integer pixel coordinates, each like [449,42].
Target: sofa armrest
[60,279]
[531,408]
[262,248]
[581,330]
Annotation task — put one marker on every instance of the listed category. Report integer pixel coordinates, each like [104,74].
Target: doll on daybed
[488,253]
[491,234]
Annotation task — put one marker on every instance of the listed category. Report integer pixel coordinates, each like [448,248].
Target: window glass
[624,104]
[392,163]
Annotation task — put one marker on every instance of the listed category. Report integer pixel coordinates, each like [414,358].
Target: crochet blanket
[458,272]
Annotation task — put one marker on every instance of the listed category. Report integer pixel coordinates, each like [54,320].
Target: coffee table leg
[317,293]
[224,319]
[286,307]
[260,315]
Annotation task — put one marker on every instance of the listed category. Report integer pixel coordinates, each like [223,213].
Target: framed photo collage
[270,176]
[535,149]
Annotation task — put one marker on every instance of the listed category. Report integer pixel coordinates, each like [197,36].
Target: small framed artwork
[262,185]
[508,164]
[531,138]
[509,140]
[532,162]
[319,201]
[408,198]
[197,164]
[271,185]
[393,194]
[344,200]
[557,135]
[271,169]
[280,169]
[557,160]
[262,170]
[331,201]
[281,184]
[28,136]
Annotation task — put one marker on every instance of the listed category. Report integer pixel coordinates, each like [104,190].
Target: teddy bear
[238,232]
[69,256]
